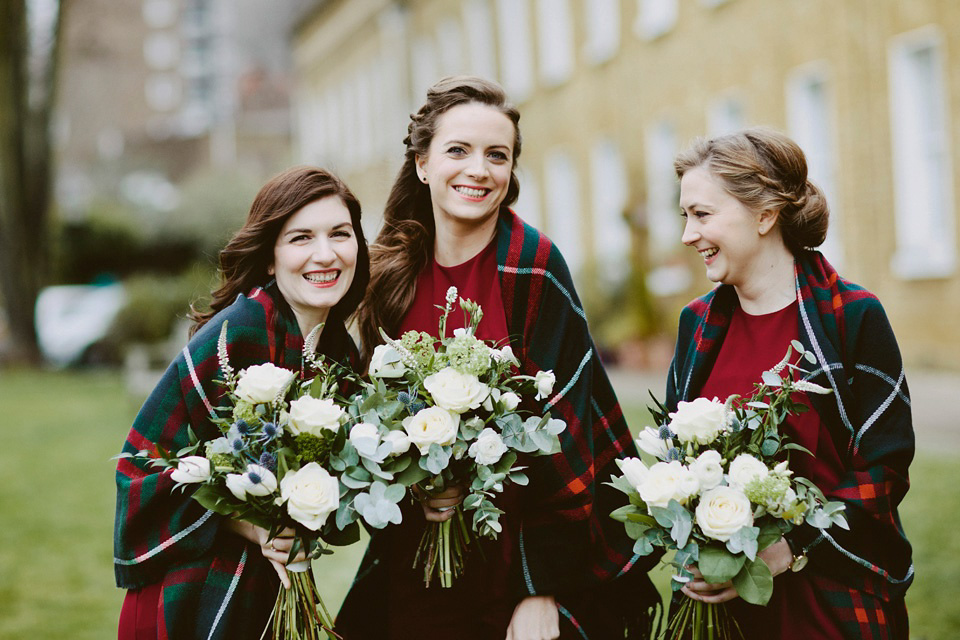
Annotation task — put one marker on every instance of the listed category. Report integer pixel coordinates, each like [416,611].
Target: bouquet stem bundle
[695,620]
[443,547]
[299,613]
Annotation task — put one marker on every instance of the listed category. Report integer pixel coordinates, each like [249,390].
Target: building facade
[611,90]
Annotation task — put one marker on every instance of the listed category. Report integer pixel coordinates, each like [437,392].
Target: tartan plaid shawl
[568,543]
[215,584]
[863,573]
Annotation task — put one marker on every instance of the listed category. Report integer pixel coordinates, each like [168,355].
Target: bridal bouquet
[439,411]
[272,466]
[721,491]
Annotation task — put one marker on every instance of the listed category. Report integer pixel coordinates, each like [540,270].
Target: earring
[424,179]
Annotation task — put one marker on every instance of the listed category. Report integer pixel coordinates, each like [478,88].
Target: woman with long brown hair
[300,260]
[447,223]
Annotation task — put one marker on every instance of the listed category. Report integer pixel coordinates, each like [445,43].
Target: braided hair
[766,171]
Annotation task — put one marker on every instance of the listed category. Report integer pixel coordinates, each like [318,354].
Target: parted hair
[404,246]
[245,259]
[766,171]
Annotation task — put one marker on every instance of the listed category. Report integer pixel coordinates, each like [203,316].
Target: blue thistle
[270,431]
[238,445]
[673,454]
[417,406]
[665,434]
[268,460]
[254,477]
[405,398]
[242,427]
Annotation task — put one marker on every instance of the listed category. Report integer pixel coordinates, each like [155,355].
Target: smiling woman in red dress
[561,562]
[753,216]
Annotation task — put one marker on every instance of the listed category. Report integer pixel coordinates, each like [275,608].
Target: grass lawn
[59,431]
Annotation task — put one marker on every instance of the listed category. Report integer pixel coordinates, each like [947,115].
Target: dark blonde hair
[766,171]
[249,253]
[405,243]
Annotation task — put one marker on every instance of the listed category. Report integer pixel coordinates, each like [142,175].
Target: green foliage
[156,302]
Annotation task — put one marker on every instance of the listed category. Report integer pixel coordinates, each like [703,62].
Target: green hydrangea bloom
[222,461]
[311,448]
[420,346]
[246,412]
[467,354]
[768,492]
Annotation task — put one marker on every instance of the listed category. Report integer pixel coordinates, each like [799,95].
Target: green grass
[59,431]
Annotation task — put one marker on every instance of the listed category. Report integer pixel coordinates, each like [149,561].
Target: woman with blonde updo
[755,218]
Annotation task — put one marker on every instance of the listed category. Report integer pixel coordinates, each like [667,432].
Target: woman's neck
[772,286]
[456,243]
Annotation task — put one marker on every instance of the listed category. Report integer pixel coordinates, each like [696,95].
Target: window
[313,145]
[562,191]
[528,204]
[603,29]
[725,115]
[810,124]
[163,91]
[655,17]
[450,41]
[516,56]
[425,69]
[480,38]
[664,224]
[555,39]
[609,198]
[161,50]
[925,223]
[159,13]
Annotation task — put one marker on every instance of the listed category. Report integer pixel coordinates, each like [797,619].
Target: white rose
[649,440]
[365,437]
[700,421]
[510,400]
[399,441]
[488,447]
[311,494]
[544,381]
[504,354]
[263,382]
[313,415]
[386,363]
[667,481]
[722,512]
[255,481]
[745,468]
[708,469]
[633,470]
[455,391]
[192,469]
[432,425]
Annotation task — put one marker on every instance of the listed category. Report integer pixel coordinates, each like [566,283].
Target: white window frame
[555,41]
[602,21]
[656,18]
[516,51]
[564,213]
[923,186]
[726,113]
[811,123]
[480,34]
[609,196]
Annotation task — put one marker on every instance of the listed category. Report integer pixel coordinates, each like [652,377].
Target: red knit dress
[752,345]
[478,605]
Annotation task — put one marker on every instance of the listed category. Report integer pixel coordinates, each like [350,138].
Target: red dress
[752,345]
[479,604]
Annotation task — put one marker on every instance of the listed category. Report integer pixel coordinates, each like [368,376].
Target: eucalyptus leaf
[771,379]
[719,565]
[642,547]
[754,582]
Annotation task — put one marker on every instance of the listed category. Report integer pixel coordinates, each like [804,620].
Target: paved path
[936,420]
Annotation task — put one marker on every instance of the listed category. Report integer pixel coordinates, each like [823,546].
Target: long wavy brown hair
[249,253]
[405,243]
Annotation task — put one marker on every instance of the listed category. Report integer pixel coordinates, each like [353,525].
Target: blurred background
[134,134]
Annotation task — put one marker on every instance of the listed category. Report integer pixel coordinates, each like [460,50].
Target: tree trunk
[26,105]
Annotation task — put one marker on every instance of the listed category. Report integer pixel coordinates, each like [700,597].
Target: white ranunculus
[263,382]
[722,512]
[649,440]
[504,354]
[544,381]
[432,425]
[255,481]
[399,440]
[311,494]
[633,470]
[667,481]
[386,363]
[709,469]
[314,415]
[510,400]
[700,421]
[745,468]
[455,391]
[191,469]
[488,448]
[365,438]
